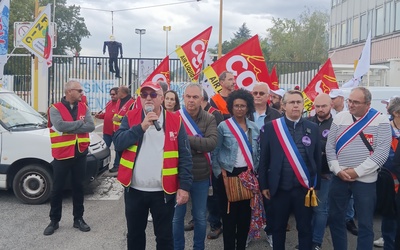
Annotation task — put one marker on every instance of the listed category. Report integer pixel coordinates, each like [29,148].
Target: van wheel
[33,184]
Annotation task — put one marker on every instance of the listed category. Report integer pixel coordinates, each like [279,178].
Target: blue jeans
[198,195]
[350,210]
[320,215]
[214,213]
[107,139]
[389,228]
[364,199]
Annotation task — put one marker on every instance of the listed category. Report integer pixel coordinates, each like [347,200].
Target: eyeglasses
[355,103]
[239,106]
[144,95]
[113,94]
[79,90]
[255,93]
[294,102]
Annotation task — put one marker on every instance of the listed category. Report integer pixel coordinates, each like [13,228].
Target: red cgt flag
[274,79]
[246,62]
[192,53]
[323,82]
[161,73]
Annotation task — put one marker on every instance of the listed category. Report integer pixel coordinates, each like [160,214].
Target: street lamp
[140,32]
[166,29]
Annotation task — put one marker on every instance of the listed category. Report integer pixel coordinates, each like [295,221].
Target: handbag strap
[367,144]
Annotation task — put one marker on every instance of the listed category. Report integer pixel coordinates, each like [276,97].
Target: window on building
[356,30]
[380,22]
[397,16]
[343,35]
[333,36]
[363,27]
[371,22]
[349,31]
[389,17]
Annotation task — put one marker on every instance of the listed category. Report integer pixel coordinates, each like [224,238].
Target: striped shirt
[356,154]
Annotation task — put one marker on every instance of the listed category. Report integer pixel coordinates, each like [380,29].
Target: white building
[350,22]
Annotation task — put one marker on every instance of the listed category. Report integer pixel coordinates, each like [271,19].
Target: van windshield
[15,114]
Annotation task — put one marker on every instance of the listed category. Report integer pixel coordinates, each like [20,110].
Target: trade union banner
[38,38]
[323,82]
[246,62]
[192,53]
[274,79]
[161,73]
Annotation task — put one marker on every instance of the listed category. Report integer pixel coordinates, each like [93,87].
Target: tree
[71,26]
[305,39]
[242,35]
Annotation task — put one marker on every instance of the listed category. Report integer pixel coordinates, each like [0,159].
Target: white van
[25,151]
[378,94]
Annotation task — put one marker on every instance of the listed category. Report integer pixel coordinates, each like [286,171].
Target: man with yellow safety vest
[70,123]
[124,103]
[155,167]
[218,101]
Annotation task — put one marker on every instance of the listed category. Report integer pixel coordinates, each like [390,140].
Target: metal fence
[132,70]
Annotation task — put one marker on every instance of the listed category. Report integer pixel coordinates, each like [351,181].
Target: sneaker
[149,218]
[379,242]
[214,233]
[189,226]
[316,246]
[269,240]
[351,227]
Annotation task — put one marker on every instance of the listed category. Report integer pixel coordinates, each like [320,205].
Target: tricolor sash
[243,141]
[295,159]
[192,129]
[355,129]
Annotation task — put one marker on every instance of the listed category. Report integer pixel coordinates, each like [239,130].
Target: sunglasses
[144,95]
[255,93]
[79,90]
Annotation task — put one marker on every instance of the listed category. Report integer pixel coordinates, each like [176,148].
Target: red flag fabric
[323,82]
[161,73]
[192,54]
[246,62]
[274,79]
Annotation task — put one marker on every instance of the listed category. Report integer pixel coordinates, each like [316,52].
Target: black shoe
[316,246]
[214,233]
[189,226]
[81,224]
[351,227]
[118,76]
[113,170]
[53,226]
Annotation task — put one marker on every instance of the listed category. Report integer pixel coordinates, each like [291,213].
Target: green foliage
[239,37]
[71,26]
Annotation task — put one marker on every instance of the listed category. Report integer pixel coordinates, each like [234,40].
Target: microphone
[150,108]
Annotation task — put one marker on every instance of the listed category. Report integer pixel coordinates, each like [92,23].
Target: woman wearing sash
[171,101]
[237,154]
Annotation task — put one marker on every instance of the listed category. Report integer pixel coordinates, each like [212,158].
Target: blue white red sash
[192,129]
[243,141]
[355,129]
[292,153]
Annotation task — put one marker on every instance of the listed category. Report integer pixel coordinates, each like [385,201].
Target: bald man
[323,105]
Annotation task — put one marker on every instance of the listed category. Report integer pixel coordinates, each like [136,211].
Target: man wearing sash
[358,144]
[202,134]
[155,168]
[290,161]
[218,101]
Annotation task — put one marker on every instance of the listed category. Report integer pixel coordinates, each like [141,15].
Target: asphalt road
[21,226]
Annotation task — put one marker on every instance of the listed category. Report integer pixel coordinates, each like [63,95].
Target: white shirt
[147,171]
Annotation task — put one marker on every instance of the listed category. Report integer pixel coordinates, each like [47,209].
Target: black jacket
[271,114]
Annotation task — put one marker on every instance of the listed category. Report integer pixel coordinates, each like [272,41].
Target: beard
[323,116]
[276,105]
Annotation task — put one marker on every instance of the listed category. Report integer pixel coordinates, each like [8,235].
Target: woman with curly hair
[171,101]
[236,155]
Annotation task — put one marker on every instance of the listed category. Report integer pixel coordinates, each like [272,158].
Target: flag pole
[36,69]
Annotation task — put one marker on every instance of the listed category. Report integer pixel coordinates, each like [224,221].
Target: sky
[187,18]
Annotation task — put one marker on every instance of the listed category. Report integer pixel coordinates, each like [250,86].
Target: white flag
[362,65]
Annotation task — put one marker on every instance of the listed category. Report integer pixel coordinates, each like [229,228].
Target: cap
[279,92]
[388,100]
[153,85]
[297,87]
[335,93]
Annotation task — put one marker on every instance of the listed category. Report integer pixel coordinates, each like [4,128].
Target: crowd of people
[247,159]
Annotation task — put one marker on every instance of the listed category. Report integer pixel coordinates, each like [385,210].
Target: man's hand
[353,174]
[182,197]
[148,120]
[116,119]
[266,194]
[345,176]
